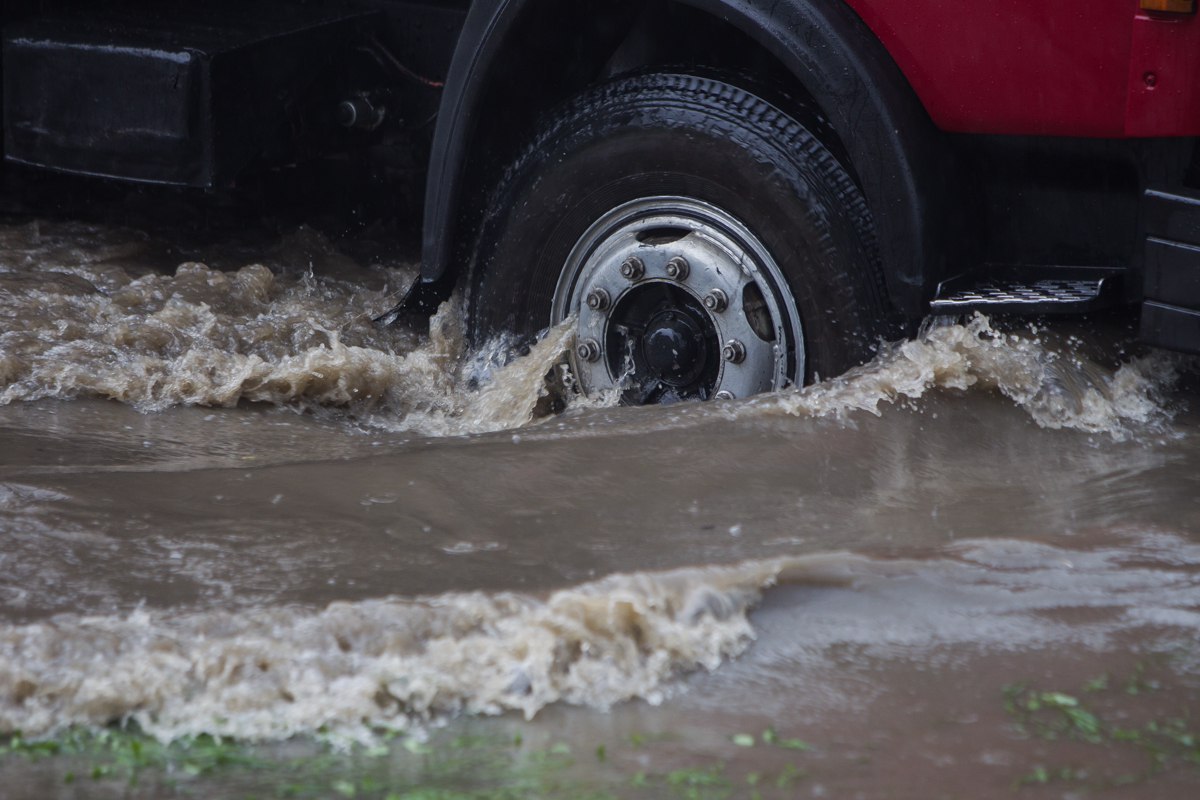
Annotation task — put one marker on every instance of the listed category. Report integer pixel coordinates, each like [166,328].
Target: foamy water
[89,320]
[85,323]
[202,336]
[392,663]
[356,669]
[1058,388]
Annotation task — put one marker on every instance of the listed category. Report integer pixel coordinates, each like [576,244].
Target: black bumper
[185,94]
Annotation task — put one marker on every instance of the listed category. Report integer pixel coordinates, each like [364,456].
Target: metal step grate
[1037,296]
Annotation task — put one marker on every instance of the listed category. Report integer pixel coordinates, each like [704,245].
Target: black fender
[891,142]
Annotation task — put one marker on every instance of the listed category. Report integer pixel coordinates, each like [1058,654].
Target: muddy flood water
[254,545]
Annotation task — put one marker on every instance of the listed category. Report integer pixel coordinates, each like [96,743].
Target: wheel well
[590,41]
[519,58]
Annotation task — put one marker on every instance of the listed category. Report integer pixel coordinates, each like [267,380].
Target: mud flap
[419,303]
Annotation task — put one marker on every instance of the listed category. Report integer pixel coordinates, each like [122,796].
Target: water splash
[97,327]
[391,663]
[94,321]
[1057,387]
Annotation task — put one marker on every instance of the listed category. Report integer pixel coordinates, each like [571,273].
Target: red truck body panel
[1045,67]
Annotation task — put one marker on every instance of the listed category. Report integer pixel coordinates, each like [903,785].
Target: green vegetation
[130,757]
[1156,742]
[127,753]
[125,762]
[770,738]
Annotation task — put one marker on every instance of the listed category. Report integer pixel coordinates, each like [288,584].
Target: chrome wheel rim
[676,299]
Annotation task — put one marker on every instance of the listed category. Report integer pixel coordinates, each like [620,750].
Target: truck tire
[704,243]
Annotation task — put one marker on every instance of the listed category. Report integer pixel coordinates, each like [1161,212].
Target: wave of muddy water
[294,520]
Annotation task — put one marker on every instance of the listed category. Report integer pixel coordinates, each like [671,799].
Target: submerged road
[229,504]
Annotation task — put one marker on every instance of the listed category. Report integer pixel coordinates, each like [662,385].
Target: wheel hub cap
[684,303]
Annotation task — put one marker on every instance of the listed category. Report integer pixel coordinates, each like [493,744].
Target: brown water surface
[231,504]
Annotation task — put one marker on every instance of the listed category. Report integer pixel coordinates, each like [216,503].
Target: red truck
[723,196]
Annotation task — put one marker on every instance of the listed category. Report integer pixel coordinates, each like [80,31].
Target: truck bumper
[184,99]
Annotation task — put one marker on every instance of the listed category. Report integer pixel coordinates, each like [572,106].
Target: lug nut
[716,301]
[734,352]
[724,394]
[678,269]
[633,269]
[588,350]
[598,300]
